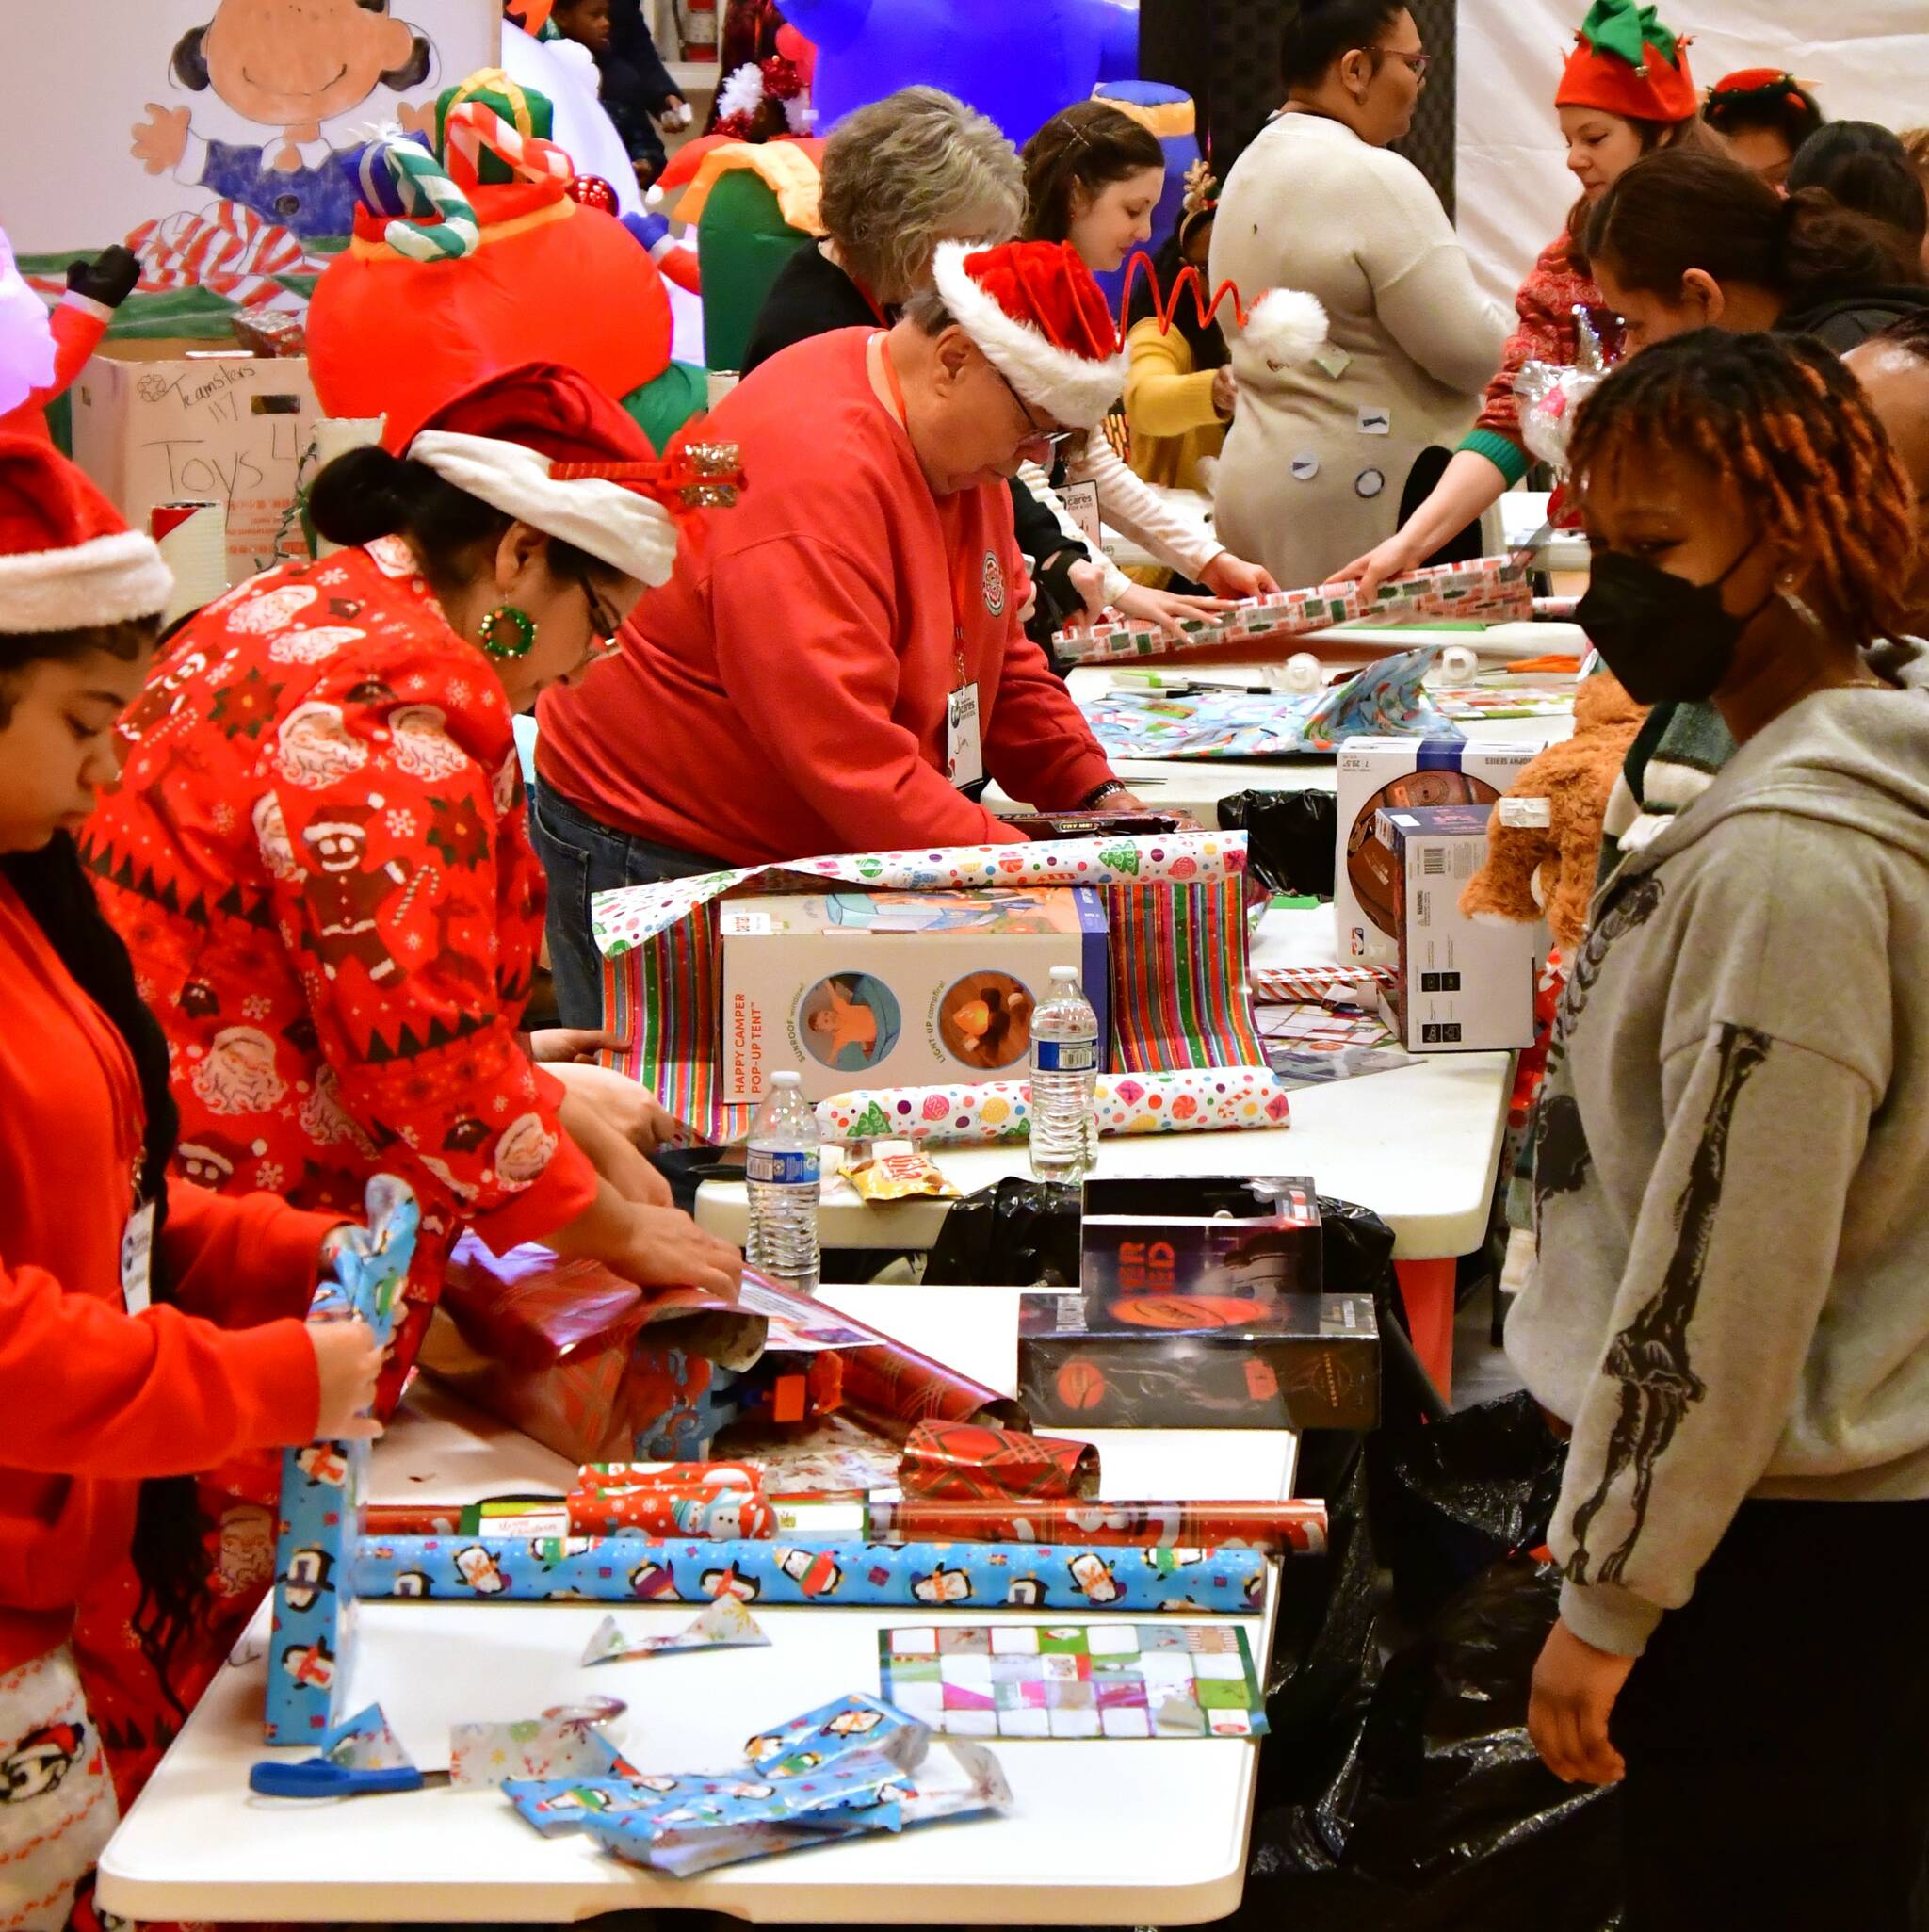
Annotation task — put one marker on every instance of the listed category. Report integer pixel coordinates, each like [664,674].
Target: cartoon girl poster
[261,104]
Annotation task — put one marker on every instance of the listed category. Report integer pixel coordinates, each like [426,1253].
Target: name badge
[964,753]
[1081,506]
[137,1258]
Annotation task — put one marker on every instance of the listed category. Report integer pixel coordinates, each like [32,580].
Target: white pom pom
[654,198]
[1285,326]
[743,92]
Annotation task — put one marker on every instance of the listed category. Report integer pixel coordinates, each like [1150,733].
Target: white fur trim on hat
[111,579]
[1285,326]
[1073,390]
[621,527]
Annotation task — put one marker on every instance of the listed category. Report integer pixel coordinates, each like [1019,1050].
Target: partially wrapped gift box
[588,1364]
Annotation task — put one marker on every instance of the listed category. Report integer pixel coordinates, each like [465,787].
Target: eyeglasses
[604,625]
[1419,62]
[1047,441]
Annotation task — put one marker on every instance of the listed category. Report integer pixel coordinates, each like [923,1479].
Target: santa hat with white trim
[1041,320]
[543,443]
[68,560]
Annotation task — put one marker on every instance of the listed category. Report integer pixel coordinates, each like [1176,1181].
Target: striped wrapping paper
[1197,1100]
[1358,985]
[1178,954]
[1494,589]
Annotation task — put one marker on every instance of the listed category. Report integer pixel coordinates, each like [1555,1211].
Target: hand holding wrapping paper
[1197,1100]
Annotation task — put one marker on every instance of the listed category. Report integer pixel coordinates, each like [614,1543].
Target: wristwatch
[1103,792]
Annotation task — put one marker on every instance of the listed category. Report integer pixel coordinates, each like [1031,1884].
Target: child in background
[636,87]
[1765,115]
[116,1382]
[1731,1309]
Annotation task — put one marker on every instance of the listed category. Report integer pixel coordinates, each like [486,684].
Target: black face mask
[1667,639]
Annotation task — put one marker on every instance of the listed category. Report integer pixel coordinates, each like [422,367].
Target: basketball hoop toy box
[1199,1306]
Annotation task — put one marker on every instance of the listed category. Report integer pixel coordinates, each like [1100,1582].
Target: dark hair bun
[357,498]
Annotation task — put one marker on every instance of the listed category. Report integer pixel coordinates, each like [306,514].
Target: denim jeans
[583,857]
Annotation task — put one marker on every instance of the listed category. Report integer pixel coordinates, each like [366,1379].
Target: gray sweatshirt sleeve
[1731,1261]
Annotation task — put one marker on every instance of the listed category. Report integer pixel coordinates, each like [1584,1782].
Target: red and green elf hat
[1628,63]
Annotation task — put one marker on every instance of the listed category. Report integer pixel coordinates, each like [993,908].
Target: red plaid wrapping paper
[969,1462]
[1295,1528]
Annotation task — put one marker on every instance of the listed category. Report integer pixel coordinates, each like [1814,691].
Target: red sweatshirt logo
[993,584]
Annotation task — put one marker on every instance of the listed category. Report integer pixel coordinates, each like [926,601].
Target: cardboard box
[1257,1239]
[1376,773]
[1301,1362]
[153,426]
[1460,986]
[899,990]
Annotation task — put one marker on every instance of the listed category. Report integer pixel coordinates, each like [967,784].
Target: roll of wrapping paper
[1202,1100]
[970,1463]
[723,1515]
[1281,1528]
[619,1478]
[894,1389]
[193,542]
[1493,589]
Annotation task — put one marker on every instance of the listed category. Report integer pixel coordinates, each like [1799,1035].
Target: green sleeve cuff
[1507,456]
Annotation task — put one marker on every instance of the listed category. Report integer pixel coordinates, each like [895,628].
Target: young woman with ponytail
[147,1328]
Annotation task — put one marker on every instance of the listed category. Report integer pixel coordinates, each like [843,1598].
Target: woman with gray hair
[899,176]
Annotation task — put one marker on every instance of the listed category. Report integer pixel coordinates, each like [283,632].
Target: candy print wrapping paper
[1204,1100]
[965,1460]
[1494,590]
[1178,952]
[1297,1528]
[1348,983]
[725,1624]
[1036,1576]
[1385,697]
[365,1743]
[323,1487]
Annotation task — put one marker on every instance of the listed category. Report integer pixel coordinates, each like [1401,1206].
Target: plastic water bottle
[781,1171]
[1064,1082]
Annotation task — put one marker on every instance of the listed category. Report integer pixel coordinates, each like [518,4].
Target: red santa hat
[1041,321]
[68,561]
[543,445]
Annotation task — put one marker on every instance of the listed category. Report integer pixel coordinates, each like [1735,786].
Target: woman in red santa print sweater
[319,858]
[1625,91]
[147,1326]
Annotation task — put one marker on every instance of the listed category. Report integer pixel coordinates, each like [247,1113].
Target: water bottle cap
[1064,972]
[785,1080]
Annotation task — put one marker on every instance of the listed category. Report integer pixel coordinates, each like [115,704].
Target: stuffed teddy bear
[1550,868]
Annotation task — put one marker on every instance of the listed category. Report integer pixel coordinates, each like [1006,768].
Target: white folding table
[1100,1833]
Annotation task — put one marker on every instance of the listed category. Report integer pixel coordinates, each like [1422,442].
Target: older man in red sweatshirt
[837,664]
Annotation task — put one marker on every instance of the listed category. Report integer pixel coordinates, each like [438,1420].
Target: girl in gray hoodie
[1731,1307]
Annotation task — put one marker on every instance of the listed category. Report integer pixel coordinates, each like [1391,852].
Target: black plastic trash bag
[1452,1499]
[1014,1234]
[1292,838]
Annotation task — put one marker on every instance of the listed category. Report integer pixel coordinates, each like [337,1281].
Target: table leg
[1427,1288]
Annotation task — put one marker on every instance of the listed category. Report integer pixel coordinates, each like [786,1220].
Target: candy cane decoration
[475,125]
[423,188]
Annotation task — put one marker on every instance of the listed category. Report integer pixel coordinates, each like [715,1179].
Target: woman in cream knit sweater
[1319,453]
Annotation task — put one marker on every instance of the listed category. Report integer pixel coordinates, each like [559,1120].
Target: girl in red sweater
[1625,92]
[147,1330]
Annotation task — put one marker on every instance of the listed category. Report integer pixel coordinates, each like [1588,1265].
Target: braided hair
[1790,432]
[170,1552]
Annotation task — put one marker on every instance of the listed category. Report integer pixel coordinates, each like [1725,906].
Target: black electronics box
[1174,1362]
[1248,1240]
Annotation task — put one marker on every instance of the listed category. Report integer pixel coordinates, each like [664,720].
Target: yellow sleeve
[1163,396]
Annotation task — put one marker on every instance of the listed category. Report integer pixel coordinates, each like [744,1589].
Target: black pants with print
[1776,1733]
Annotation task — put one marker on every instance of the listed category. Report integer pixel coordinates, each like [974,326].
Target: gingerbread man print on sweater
[351,894]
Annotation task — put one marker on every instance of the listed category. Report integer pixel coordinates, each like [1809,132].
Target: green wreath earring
[519,624]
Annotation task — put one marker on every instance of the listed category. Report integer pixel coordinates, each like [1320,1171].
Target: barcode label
[785,1169]
[1433,862]
[1065,1056]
